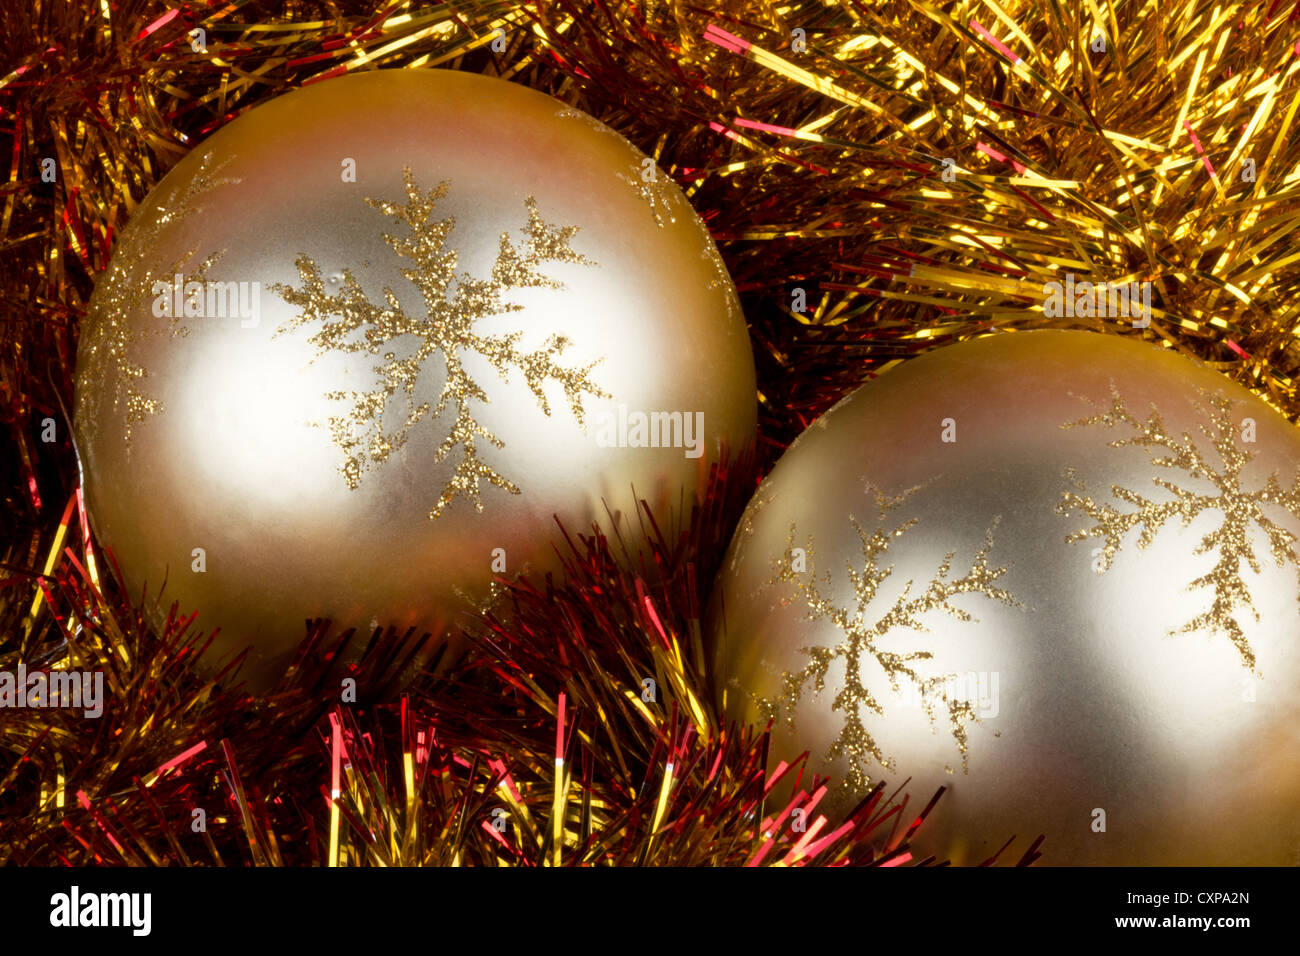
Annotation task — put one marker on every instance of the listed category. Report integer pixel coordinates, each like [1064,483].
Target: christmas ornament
[1054,572]
[360,348]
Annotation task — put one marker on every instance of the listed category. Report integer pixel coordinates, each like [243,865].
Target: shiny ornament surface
[1055,572]
[359,347]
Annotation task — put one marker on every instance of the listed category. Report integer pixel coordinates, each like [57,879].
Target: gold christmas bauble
[1054,572]
[358,351]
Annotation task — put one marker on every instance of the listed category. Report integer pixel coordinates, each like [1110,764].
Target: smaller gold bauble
[1053,572]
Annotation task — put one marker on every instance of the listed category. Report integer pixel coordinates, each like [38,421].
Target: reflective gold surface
[1095,673]
[232,450]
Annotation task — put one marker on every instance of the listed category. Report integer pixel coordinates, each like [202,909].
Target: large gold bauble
[356,353]
[1055,572]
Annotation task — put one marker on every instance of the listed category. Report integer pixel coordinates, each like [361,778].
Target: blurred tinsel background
[918,169]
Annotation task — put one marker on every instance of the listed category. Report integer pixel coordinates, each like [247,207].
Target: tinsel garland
[882,178]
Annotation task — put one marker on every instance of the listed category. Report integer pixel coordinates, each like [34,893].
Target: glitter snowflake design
[647,180]
[863,632]
[745,528]
[124,294]
[654,192]
[1241,510]
[348,322]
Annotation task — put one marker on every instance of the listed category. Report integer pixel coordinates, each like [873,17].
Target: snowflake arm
[353,309]
[124,292]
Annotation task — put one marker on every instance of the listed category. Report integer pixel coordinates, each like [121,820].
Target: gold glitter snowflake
[647,180]
[745,528]
[655,192]
[864,631]
[349,322]
[720,281]
[124,294]
[1241,510]
[568,112]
